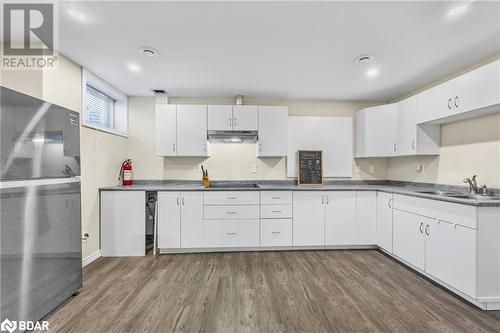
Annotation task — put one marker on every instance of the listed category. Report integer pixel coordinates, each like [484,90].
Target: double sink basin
[459,195]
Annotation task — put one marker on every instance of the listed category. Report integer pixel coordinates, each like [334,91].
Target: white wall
[228,161]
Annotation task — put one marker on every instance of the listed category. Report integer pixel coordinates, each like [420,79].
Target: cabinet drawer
[440,210]
[276,232]
[232,198]
[276,211]
[231,212]
[276,197]
[231,233]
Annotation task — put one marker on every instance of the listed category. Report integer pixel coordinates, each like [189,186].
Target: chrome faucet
[472,184]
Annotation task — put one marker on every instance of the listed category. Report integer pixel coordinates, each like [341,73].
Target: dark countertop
[395,187]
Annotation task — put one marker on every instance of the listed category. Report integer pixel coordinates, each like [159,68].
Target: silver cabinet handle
[413,144]
[234,122]
[427,230]
[173,146]
[322,200]
[276,211]
[395,147]
[260,147]
[450,104]
[183,201]
[389,203]
[231,212]
[231,233]
[420,228]
[276,232]
[231,122]
[230,198]
[177,201]
[456,101]
[327,200]
[205,147]
[277,197]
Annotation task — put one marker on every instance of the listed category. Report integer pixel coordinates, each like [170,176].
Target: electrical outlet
[420,169]
[255,168]
[371,168]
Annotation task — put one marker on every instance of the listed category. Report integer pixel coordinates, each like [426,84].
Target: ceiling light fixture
[76,15]
[458,10]
[148,52]
[372,72]
[134,68]
[364,59]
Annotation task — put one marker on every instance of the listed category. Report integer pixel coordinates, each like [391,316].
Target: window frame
[119,116]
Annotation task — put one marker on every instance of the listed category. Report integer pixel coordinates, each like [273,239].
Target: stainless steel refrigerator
[40,249]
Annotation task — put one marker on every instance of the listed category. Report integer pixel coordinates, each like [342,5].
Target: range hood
[232,136]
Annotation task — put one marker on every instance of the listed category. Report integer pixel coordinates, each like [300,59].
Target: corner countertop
[394,187]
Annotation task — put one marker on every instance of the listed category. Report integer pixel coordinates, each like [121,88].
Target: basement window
[104,107]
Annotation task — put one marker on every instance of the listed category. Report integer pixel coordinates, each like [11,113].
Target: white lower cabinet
[384,221]
[180,220]
[231,233]
[340,218]
[409,237]
[451,255]
[275,232]
[366,217]
[123,231]
[308,218]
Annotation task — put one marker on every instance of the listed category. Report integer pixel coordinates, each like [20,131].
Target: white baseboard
[90,258]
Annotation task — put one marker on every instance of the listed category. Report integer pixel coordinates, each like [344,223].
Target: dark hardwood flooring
[292,291]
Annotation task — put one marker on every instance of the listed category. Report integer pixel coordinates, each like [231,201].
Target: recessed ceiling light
[364,59]
[134,68]
[76,15]
[148,52]
[458,10]
[372,72]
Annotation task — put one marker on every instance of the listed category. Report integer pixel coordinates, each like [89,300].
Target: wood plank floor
[293,291]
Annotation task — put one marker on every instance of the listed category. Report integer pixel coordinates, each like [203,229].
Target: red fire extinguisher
[126,172]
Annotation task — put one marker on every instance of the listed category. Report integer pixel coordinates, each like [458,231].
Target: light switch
[420,169]
[255,168]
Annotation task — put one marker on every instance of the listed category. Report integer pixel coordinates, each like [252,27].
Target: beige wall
[228,161]
[101,153]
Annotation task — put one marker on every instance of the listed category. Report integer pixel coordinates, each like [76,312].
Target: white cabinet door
[308,218]
[191,130]
[360,134]
[340,218]
[384,221]
[231,233]
[409,237]
[366,217]
[123,230]
[166,130]
[191,219]
[245,117]
[273,131]
[451,255]
[275,232]
[220,117]
[407,126]
[169,220]
[381,130]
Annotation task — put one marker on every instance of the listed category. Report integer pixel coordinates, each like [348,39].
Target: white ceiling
[277,50]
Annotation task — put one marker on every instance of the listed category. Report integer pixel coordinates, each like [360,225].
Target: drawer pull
[231,198]
[231,233]
[231,212]
[276,232]
[276,211]
[276,197]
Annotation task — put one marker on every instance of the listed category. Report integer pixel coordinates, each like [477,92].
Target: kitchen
[310,187]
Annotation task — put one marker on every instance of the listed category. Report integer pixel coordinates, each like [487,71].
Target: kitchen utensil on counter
[205,179]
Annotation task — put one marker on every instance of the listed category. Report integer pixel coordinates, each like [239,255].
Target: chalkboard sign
[310,167]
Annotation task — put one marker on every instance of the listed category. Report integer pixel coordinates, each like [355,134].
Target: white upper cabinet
[245,118]
[181,130]
[192,130]
[478,90]
[377,131]
[415,139]
[273,131]
[166,129]
[220,117]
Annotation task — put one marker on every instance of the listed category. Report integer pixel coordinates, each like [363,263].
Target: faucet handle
[466,180]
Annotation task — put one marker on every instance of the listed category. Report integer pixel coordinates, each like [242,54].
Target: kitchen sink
[234,186]
[439,193]
[463,195]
